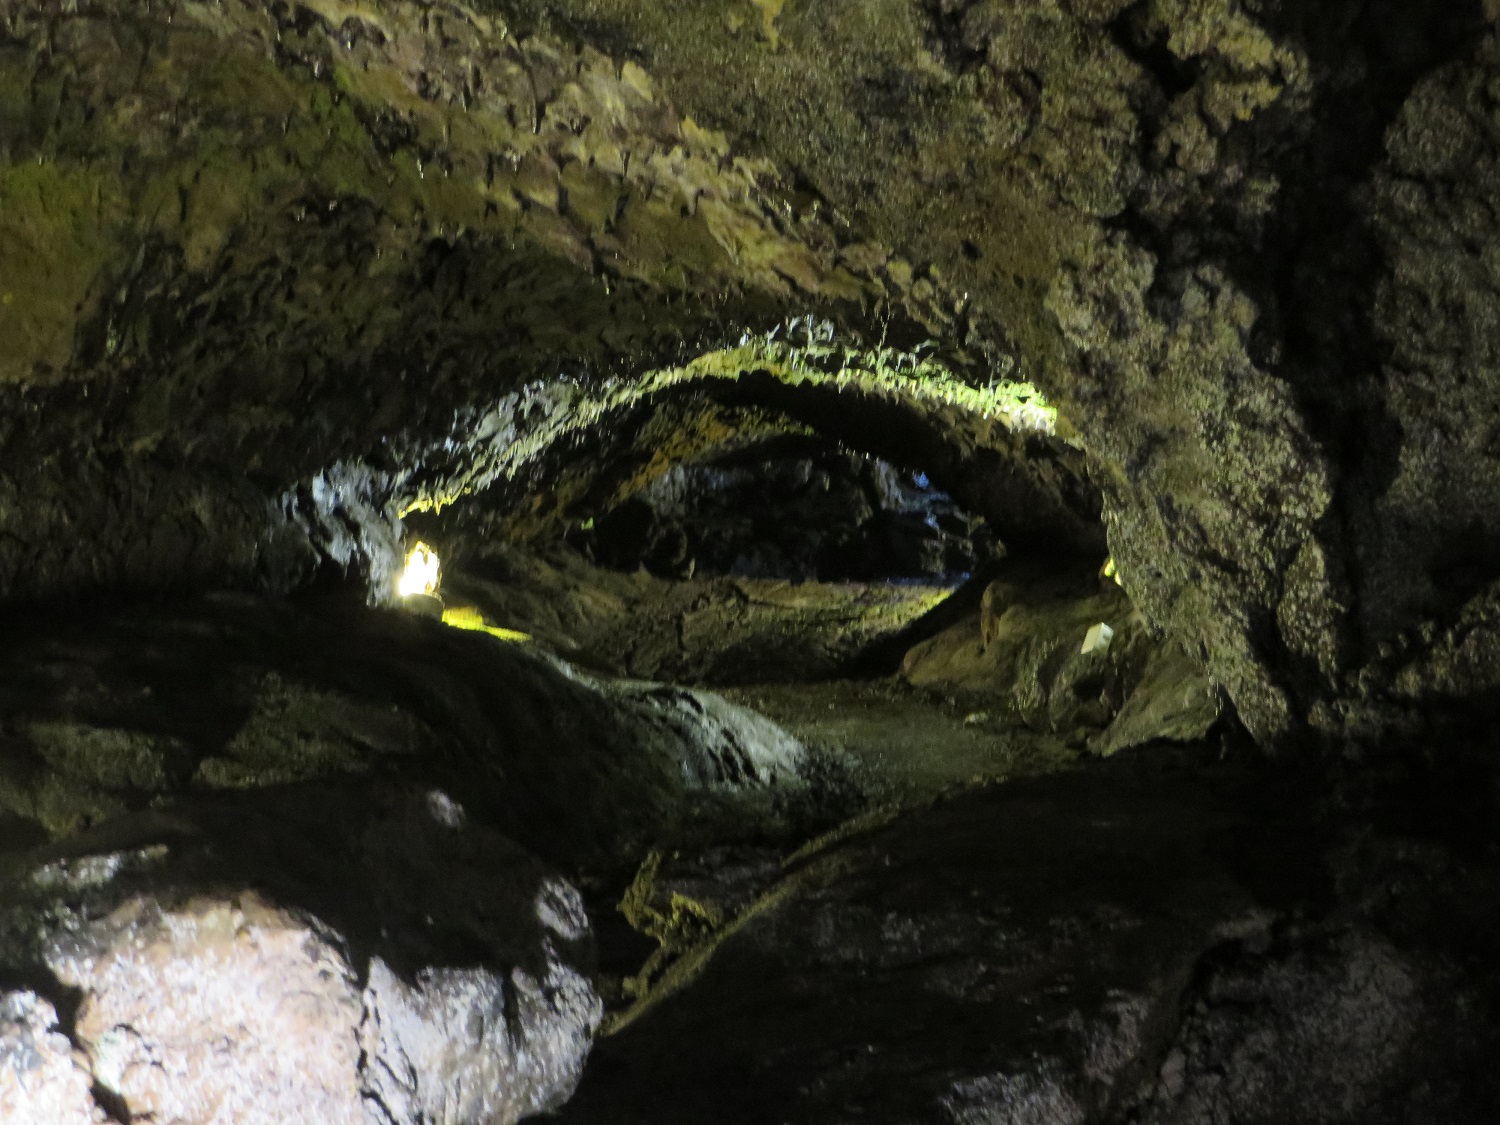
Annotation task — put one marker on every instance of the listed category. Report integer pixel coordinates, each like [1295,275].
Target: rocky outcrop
[795,511]
[274,272]
[340,955]
[104,716]
[247,244]
[1067,653]
[1172,700]
[1150,939]
[39,1079]
[1214,234]
[714,632]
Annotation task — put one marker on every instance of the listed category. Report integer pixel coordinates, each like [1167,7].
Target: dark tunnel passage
[765,562]
[796,510]
[725,537]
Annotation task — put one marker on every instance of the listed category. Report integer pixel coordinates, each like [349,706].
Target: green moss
[59,230]
[941,163]
[217,148]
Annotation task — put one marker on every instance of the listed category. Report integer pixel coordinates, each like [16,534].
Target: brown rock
[40,1081]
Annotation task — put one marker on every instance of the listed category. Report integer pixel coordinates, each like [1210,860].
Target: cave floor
[881,905]
[905,744]
[708,631]
[814,657]
[1176,935]
[968,952]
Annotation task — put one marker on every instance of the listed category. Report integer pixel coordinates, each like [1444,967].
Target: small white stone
[1096,641]
[445,810]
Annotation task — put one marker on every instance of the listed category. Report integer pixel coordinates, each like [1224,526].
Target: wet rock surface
[339,955]
[900,744]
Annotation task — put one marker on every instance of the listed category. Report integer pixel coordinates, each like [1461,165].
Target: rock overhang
[269,251]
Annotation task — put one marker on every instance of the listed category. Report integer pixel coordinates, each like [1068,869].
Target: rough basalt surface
[119,712]
[267,267]
[344,957]
[1025,655]
[1032,488]
[1199,295]
[260,241]
[1154,939]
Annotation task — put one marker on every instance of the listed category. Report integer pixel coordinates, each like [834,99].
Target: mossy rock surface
[266,274]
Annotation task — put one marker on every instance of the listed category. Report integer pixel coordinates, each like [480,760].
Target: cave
[764,562]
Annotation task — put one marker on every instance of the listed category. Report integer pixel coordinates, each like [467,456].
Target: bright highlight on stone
[421,573]
[1096,641]
[467,617]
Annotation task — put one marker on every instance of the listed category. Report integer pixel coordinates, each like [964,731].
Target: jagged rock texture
[343,957]
[260,259]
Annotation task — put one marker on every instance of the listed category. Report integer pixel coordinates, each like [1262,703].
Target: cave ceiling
[273,274]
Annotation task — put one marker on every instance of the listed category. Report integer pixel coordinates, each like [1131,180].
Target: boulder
[1055,648]
[353,955]
[1112,945]
[110,713]
[1173,700]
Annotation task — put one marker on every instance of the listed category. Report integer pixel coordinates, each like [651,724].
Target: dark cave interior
[764,562]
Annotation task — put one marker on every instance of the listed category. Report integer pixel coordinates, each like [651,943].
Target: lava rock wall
[1246,249]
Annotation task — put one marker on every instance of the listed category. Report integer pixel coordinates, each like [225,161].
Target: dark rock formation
[1068,653]
[1205,291]
[1030,486]
[714,632]
[1086,948]
[235,693]
[792,511]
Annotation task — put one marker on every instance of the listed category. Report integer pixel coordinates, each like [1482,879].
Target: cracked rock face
[242,973]
[268,270]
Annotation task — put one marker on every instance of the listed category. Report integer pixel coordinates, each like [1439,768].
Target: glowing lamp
[418,585]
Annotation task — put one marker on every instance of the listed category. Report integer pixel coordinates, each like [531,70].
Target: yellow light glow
[467,617]
[421,573]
